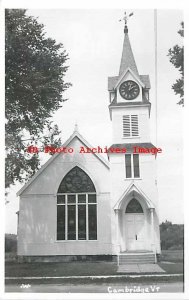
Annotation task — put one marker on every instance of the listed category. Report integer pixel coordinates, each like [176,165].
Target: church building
[82,206]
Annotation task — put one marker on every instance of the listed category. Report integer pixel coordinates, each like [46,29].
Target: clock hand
[132,88]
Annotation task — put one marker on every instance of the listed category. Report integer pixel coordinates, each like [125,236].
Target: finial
[125,19]
[76,127]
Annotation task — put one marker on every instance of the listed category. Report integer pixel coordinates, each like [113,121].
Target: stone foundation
[67,258]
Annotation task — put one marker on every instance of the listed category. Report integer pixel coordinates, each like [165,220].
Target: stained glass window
[92,222]
[61,199]
[60,222]
[81,222]
[71,222]
[76,207]
[76,181]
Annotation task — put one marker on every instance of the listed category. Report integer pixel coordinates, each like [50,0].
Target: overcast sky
[93,39]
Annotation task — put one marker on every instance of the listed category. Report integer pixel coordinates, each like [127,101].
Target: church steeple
[129,97]
[128,86]
[127,59]
[130,115]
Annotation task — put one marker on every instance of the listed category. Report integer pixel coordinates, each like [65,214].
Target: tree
[172,236]
[10,243]
[35,66]
[176,57]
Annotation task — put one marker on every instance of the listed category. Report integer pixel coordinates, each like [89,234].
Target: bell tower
[129,99]
[134,197]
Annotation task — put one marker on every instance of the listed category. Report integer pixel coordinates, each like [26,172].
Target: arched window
[76,207]
[76,181]
[134,207]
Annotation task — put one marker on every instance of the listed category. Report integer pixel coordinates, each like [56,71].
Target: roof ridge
[50,160]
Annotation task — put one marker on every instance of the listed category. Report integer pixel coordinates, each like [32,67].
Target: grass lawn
[14,269]
[60,269]
[174,268]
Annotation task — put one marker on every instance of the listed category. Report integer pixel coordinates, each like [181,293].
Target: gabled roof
[136,76]
[113,80]
[75,134]
[127,59]
[133,188]
[146,80]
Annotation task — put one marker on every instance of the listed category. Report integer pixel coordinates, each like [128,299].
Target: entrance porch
[136,227]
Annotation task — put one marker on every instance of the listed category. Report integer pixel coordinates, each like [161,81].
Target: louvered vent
[134,125]
[130,126]
[126,126]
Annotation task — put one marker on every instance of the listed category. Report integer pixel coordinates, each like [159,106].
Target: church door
[134,226]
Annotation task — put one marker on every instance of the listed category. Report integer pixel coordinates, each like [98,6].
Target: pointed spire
[127,59]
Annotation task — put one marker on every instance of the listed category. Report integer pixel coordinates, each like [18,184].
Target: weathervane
[126,18]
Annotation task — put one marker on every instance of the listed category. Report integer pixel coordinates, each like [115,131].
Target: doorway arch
[134,226]
[134,207]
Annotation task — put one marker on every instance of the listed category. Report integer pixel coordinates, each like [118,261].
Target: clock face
[129,90]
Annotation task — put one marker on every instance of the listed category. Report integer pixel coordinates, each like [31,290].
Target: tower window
[132,165]
[136,165]
[130,126]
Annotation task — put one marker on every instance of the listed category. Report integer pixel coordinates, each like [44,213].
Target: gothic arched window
[134,207]
[76,181]
[76,207]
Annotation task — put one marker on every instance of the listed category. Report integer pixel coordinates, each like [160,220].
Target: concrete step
[145,258]
[138,259]
[137,262]
[136,256]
